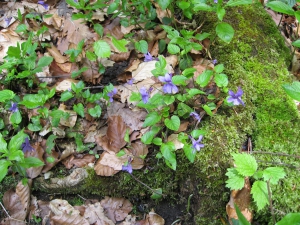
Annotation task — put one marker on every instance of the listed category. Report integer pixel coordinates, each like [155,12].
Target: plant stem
[270,201]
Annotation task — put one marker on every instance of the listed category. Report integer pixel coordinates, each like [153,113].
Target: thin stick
[270,202]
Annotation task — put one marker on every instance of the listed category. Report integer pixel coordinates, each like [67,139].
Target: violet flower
[130,82]
[111,94]
[26,147]
[14,107]
[148,57]
[7,21]
[46,6]
[145,94]
[216,1]
[196,144]
[196,116]
[127,168]
[169,87]
[236,98]
[215,61]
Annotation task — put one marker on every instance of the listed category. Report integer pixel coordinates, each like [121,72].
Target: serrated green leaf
[168,152]
[79,109]
[183,109]
[66,96]
[241,217]
[16,155]
[259,193]
[280,7]
[179,80]
[292,90]
[221,80]
[34,127]
[238,2]
[6,95]
[225,32]
[173,123]
[246,164]
[96,111]
[220,13]
[151,119]
[44,61]
[219,68]
[120,44]
[141,46]
[169,99]
[274,174]
[50,143]
[32,101]
[102,49]
[173,49]
[235,180]
[204,78]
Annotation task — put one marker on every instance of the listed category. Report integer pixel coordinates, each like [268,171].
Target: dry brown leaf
[44,209]
[48,166]
[242,198]
[65,84]
[7,39]
[114,139]
[116,209]
[138,150]
[120,57]
[95,213]
[155,219]
[162,13]
[78,161]
[174,138]
[33,172]
[76,30]
[66,219]
[103,170]
[109,164]
[129,220]
[58,57]
[55,20]
[69,122]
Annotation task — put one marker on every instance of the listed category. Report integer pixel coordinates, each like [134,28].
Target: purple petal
[162,79]
[231,93]
[167,88]
[127,168]
[174,89]
[168,77]
[239,92]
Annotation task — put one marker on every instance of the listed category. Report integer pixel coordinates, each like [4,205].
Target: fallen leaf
[95,213]
[76,160]
[33,172]
[174,138]
[58,57]
[109,164]
[139,151]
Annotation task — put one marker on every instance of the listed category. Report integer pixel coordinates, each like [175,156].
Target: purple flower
[127,168]
[216,1]
[236,98]
[43,4]
[169,87]
[148,57]
[111,94]
[7,21]
[145,94]
[14,107]
[130,82]
[196,144]
[215,61]
[26,147]
[196,116]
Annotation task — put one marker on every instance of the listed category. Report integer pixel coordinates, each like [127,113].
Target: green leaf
[183,4]
[274,174]
[221,80]
[16,141]
[296,43]
[4,164]
[290,218]
[241,217]
[148,137]
[193,91]
[196,133]
[66,96]
[16,155]
[112,7]
[3,145]
[169,99]
[238,2]
[189,152]
[99,29]
[44,61]
[156,193]
[225,32]
[163,4]
[246,164]
[56,115]
[50,143]
[6,95]
[168,152]
[21,28]
[179,80]
[157,141]
[201,37]
[120,44]
[162,46]
[95,112]
[34,127]
[221,13]
[235,180]
[201,6]
[183,109]
[207,110]
[173,49]
[219,68]
[141,46]
[151,119]
[280,7]
[77,73]
[173,123]
[259,193]
[32,162]
[292,90]
[102,49]
[121,153]
[16,117]
[32,101]
[204,78]
[135,97]
[79,109]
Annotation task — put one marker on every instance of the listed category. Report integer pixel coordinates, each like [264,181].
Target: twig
[270,201]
